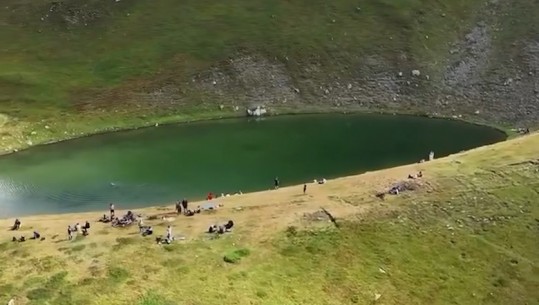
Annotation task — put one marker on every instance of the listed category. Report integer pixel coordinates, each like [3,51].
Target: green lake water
[160,165]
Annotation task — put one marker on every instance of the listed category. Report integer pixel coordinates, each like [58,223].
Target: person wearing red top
[210,196]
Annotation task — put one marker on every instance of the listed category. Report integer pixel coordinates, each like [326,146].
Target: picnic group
[130,218]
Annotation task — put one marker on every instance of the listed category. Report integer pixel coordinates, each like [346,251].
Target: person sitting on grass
[16,225]
[192,212]
[147,231]
[104,219]
[212,229]
[420,174]
[36,235]
[161,240]
[22,239]
[321,181]
[228,226]
[86,228]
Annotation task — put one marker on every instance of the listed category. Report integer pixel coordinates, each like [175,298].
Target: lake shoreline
[165,120]
[161,207]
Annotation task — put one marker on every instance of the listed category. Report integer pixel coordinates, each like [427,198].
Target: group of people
[128,219]
[72,231]
[181,206]
[35,236]
[16,226]
[227,227]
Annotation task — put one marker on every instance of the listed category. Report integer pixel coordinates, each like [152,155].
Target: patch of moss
[235,256]
[118,274]
[40,294]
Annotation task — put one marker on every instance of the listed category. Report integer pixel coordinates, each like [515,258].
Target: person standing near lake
[69,233]
[178,208]
[184,205]
[169,233]
[304,188]
[276,182]
[111,206]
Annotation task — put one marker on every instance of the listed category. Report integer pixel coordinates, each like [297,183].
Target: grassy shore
[466,235]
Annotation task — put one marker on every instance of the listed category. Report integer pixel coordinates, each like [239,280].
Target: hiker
[304,188]
[69,233]
[276,183]
[16,225]
[111,207]
[184,204]
[169,232]
[140,225]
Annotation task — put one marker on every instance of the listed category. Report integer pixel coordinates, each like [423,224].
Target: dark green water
[160,165]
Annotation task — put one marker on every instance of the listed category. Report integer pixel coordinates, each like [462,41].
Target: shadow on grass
[55,284]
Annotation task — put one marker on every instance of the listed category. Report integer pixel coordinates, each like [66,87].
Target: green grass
[195,34]
[155,299]
[50,69]
[236,255]
[470,240]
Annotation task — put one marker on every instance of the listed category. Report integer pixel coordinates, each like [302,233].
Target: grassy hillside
[84,66]
[466,235]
